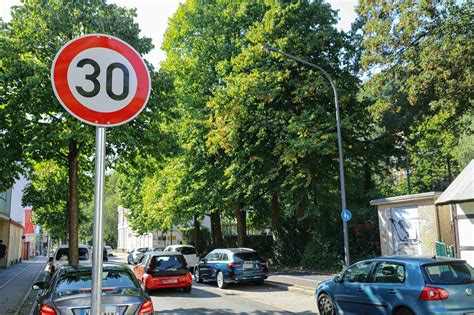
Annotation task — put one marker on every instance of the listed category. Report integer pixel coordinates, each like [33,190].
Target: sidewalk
[304,282]
[16,282]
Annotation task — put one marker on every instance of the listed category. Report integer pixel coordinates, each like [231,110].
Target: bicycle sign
[100,80]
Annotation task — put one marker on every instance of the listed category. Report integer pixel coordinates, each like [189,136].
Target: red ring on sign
[69,101]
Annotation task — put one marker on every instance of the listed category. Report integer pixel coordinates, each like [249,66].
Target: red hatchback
[158,270]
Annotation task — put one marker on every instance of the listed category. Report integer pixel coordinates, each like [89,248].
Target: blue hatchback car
[231,265]
[400,285]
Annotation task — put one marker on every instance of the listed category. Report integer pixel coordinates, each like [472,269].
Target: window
[187,250]
[212,256]
[224,257]
[143,260]
[63,254]
[162,263]
[240,257]
[386,272]
[358,272]
[450,273]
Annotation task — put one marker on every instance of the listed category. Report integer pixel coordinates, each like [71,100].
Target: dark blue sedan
[400,285]
[231,265]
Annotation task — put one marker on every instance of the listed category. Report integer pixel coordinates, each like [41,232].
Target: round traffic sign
[346,215]
[100,80]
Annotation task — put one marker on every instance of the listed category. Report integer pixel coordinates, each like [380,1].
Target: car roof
[237,250]
[88,267]
[154,254]
[180,245]
[416,259]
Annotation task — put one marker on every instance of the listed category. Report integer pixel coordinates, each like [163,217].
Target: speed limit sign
[100,80]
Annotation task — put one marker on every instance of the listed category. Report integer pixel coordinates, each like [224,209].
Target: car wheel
[325,305]
[220,280]
[260,282]
[187,289]
[404,311]
[197,275]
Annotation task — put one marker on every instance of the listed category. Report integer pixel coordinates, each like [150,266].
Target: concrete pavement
[15,285]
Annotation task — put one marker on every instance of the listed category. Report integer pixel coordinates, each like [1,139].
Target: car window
[240,257]
[212,256]
[386,272]
[188,250]
[161,263]
[143,260]
[450,273]
[224,257]
[63,254]
[357,272]
[142,250]
[113,282]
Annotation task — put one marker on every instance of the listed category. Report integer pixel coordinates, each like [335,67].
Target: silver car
[135,255]
[69,292]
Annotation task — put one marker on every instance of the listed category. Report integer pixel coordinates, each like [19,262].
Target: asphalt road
[241,299]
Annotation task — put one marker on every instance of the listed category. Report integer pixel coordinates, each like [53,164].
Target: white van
[60,257]
[188,251]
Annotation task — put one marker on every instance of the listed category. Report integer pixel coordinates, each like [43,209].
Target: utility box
[412,224]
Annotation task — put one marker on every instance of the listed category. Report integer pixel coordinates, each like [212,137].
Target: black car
[69,292]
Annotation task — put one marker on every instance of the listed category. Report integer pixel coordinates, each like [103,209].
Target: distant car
[163,270]
[188,251]
[400,285]
[69,292]
[135,255]
[157,249]
[232,265]
[109,251]
[60,257]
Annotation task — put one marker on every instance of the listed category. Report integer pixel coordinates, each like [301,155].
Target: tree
[422,91]
[38,29]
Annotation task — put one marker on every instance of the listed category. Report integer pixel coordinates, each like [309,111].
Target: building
[10,231]
[459,198]
[128,239]
[412,224]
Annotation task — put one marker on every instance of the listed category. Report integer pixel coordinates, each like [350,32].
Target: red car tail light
[147,308]
[433,294]
[232,265]
[46,310]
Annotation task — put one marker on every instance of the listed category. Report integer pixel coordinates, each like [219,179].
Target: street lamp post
[339,142]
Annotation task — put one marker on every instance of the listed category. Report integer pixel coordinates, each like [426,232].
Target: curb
[293,288]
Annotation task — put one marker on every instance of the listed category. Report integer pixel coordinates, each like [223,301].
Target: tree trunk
[73,165]
[275,213]
[241,217]
[217,240]
[197,234]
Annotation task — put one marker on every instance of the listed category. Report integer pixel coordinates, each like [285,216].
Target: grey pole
[339,144]
[97,253]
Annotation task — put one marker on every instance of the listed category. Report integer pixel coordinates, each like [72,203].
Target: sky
[152,16]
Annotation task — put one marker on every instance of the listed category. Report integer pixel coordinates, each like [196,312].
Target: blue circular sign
[346,215]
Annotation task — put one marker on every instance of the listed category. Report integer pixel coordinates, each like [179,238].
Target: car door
[386,287]
[139,269]
[349,292]
[207,265]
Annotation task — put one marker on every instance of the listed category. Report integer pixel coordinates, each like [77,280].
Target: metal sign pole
[97,253]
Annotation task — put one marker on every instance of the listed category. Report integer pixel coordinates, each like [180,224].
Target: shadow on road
[202,310]
[195,293]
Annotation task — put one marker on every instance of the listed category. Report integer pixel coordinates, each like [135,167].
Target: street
[207,298]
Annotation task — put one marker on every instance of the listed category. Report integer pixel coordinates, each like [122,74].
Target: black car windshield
[63,254]
[162,263]
[450,273]
[247,256]
[113,282]
[142,250]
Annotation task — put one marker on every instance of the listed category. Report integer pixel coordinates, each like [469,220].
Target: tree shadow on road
[202,310]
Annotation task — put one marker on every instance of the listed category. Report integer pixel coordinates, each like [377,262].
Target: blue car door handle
[392,291]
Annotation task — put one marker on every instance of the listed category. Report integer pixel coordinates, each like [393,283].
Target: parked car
[135,255]
[163,270]
[400,285]
[157,249]
[232,265]
[188,251]
[60,257]
[69,292]
[109,251]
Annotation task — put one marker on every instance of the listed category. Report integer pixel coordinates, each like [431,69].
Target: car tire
[260,282]
[220,280]
[197,275]
[187,289]
[325,305]
[404,311]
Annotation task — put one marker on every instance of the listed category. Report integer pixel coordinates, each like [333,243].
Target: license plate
[168,281]
[248,265]
[109,310]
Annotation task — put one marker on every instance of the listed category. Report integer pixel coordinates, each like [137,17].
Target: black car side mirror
[204,260]
[38,285]
[338,279]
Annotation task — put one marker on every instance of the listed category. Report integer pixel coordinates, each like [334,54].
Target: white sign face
[102,80]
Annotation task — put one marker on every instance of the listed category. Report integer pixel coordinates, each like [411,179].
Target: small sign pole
[98,240]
